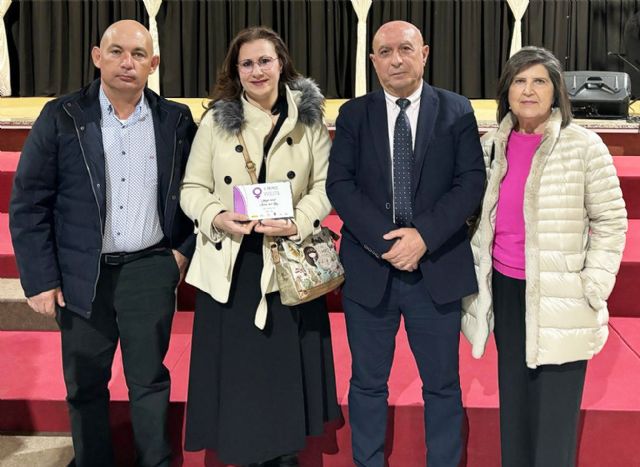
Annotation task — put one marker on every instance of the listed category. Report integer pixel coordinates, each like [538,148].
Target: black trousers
[539,409]
[134,303]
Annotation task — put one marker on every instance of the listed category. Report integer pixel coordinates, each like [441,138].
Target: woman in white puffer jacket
[547,248]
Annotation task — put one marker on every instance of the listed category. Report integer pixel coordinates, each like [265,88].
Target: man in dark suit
[405,172]
[101,242]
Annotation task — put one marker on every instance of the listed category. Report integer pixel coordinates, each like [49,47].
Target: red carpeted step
[32,399]
[12,138]
[628,168]
[621,303]
[8,266]
[623,300]
[629,331]
[8,165]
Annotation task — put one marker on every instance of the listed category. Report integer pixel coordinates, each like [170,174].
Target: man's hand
[45,302]
[233,223]
[407,249]
[277,227]
[182,261]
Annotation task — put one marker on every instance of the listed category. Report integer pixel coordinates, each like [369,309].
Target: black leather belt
[116,259]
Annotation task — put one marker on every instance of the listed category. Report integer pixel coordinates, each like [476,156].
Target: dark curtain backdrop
[194,36]
[468,40]
[50,40]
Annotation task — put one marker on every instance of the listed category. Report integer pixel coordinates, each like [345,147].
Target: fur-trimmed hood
[229,115]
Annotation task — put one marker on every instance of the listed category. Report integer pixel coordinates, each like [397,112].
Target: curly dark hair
[228,85]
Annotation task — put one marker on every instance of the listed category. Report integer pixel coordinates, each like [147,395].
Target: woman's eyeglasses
[264,63]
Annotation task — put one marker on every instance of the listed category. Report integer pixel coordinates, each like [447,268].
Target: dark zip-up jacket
[58,203]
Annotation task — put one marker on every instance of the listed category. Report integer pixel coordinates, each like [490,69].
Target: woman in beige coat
[261,375]
[547,249]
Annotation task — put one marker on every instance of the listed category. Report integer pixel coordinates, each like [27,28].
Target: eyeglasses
[264,63]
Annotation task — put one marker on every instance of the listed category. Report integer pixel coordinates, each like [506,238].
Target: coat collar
[306,105]
[84,106]
[549,136]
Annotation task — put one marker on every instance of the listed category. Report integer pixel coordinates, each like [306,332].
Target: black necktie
[402,165]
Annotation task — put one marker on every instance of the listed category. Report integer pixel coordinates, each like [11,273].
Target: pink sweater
[508,244]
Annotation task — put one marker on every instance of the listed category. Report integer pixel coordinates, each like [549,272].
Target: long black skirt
[256,394]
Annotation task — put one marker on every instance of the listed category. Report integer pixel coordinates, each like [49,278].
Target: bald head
[127,27]
[125,59]
[399,56]
[394,27]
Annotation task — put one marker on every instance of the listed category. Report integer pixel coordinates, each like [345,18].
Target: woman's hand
[234,223]
[277,227]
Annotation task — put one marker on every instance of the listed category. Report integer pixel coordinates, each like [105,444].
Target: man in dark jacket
[101,242]
[405,172]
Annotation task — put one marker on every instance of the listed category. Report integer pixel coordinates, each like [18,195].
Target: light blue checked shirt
[132,221]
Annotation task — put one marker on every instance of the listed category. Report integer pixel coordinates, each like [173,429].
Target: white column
[5,69]
[518,7]
[361,8]
[153,6]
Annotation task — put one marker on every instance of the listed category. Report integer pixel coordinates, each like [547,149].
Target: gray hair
[524,58]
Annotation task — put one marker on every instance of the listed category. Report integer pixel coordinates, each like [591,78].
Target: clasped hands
[407,249]
[234,223]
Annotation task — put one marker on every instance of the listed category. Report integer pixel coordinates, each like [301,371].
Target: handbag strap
[248,163]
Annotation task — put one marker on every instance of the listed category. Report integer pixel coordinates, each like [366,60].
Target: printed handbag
[306,270]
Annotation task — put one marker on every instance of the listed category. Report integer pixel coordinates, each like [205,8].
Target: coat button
[179,141]
[173,197]
[316,223]
[68,104]
[228,180]
[387,206]
[239,148]
[289,140]
[291,174]
[195,223]
[82,128]
[218,246]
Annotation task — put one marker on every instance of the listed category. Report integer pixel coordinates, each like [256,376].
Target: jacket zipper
[173,169]
[95,197]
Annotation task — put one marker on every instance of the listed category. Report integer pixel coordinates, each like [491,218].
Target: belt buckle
[112,259]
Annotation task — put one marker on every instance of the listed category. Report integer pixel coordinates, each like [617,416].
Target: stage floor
[22,111]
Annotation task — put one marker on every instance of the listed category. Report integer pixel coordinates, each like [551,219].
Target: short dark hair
[524,58]
[228,85]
